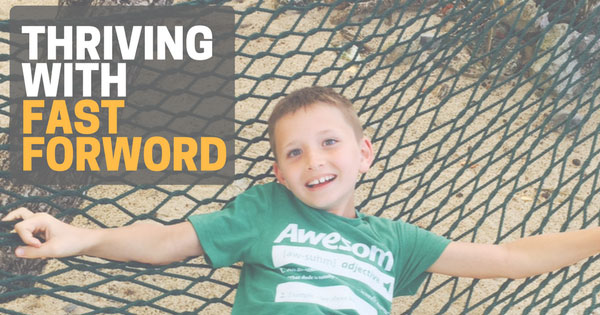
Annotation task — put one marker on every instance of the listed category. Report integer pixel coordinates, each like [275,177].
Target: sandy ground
[471,202]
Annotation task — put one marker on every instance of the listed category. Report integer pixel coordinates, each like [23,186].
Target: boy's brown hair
[305,97]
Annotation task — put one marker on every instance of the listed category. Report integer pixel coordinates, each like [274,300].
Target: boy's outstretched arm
[151,243]
[518,259]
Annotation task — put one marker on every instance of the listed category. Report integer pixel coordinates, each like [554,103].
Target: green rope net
[483,114]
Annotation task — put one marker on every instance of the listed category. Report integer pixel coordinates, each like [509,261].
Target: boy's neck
[346,212]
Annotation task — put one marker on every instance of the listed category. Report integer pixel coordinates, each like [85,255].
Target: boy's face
[319,158]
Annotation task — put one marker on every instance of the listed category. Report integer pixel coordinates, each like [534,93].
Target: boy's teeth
[320,180]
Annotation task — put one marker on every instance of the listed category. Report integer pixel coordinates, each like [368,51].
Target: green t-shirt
[300,260]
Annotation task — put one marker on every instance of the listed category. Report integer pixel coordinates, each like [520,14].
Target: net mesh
[484,119]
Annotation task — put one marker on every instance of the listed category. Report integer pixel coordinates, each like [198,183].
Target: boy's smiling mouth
[320,181]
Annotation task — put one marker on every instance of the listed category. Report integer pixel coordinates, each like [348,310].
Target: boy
[304,246]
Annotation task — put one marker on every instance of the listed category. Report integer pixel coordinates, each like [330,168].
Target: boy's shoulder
[270,187]
[270,196]
[267,191]
[274,192]
[264,197]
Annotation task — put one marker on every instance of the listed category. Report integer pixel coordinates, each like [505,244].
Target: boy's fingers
[29,228]
[31,252]
[21,213]
[26,235]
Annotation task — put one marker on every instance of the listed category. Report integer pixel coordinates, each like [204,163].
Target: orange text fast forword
[83,152]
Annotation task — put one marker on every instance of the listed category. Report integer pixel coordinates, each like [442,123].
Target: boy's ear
[366,154]
[278,174]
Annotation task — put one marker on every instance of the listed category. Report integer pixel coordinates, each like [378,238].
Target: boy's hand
[60,239]
[143,242]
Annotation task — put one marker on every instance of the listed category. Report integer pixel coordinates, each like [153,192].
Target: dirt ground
[477,206]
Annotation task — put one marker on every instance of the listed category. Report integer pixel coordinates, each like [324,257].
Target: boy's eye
[293,153]
[329,142]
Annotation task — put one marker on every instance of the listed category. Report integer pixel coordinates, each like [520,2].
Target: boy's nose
[314,159]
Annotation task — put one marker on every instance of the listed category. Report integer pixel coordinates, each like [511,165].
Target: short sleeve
[418,250]
[228,235]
